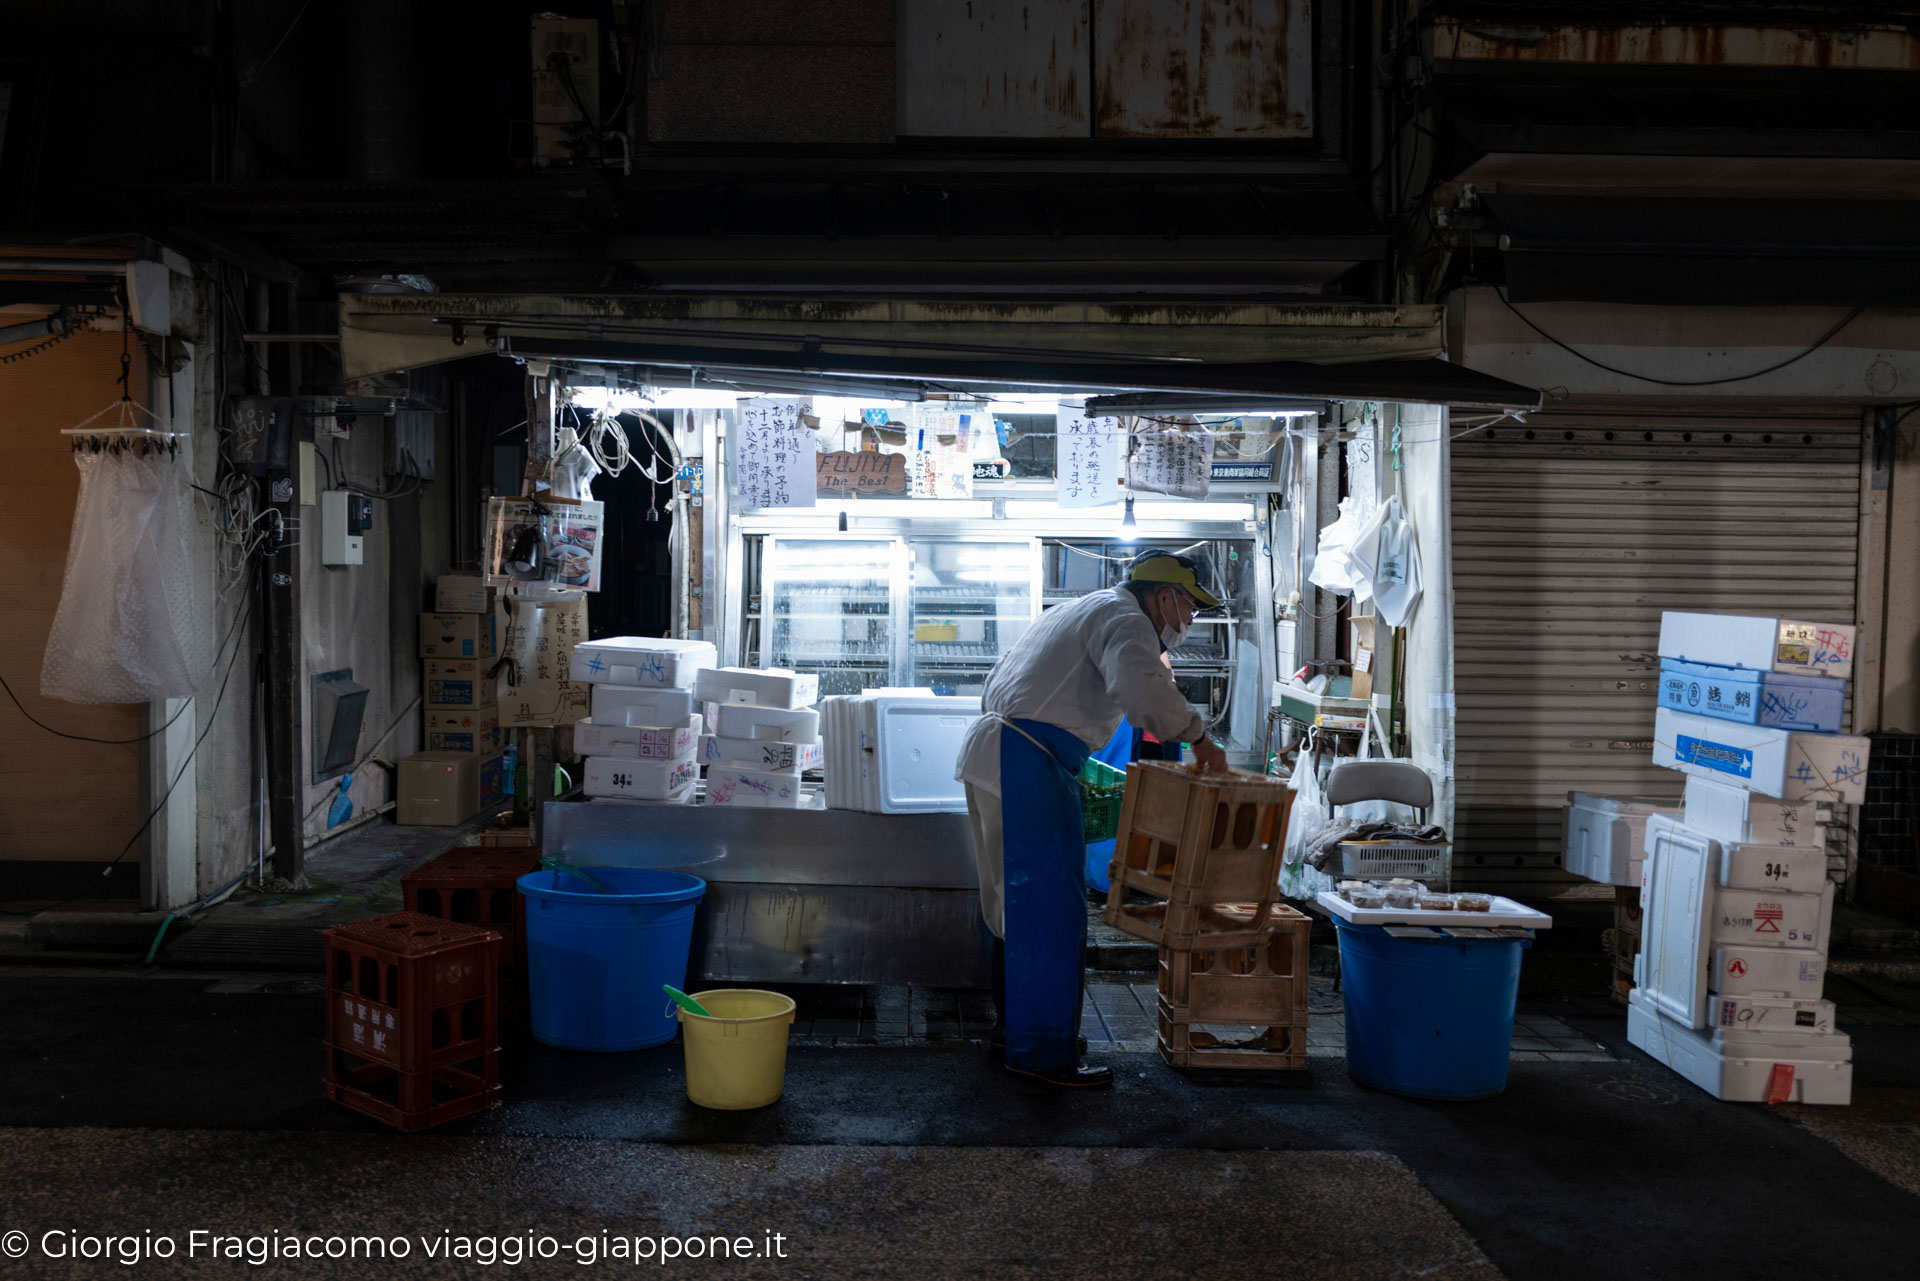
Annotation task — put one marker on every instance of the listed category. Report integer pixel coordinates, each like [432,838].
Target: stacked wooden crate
[1196,870]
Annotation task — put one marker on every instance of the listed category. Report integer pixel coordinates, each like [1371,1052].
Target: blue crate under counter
[1778,700]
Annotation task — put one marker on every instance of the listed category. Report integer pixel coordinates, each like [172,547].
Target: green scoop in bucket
[567,869]
[684,1001]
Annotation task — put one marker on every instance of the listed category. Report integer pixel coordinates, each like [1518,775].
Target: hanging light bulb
[653,514]
[1129,529]
[843,520]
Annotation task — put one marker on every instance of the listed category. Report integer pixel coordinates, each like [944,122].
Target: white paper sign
[1363,470]
[776,454]
[1172,462]
[940,450]
[1086,459]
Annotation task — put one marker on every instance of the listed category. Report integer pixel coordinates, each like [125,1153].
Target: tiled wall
[1887,820]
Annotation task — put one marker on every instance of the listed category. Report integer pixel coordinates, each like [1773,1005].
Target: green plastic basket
[1101,789]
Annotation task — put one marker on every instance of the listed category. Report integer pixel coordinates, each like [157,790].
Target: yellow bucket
[737,1059]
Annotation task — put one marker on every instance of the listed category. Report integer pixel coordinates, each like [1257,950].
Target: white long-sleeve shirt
[1080,667]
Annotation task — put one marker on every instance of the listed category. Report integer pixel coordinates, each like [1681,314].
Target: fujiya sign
[866,472]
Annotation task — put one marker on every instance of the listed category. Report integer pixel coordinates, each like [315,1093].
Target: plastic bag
[1304,818]
[1385,554]
[130,627]
[1332,562]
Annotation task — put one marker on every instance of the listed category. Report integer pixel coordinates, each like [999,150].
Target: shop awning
[1265,351]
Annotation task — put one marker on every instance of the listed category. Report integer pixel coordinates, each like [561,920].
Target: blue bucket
[595,962]
[1429,1018]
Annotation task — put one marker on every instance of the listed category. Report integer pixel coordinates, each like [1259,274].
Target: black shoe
[1083,1077]
[997,1043]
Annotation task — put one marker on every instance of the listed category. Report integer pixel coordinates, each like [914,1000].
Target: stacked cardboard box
[1736,894]
[765,734]
[459,642]
[642,737]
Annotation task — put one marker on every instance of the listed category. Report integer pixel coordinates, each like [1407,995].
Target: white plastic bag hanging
[1332,561]
[130,627]
[1304,818]
[1386,555]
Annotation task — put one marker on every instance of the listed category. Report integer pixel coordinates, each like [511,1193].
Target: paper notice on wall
[1171,462]
[1086,459]
[775,454]
[536,686]
[940,450]
[1363,472]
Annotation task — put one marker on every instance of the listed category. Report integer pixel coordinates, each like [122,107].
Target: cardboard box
[493,780]
[1771,1014]
[752,687]
[462,594]
[765,724]
[538,687]
[1361,632]
[1767,918]
[1734,816]
[638,742]
[648,780]
[755,754]
[1739,970]
[1773,762]
[1781,700]
[761,789]
[456,685]
[476,732]
[613,704]
[438,789]
[642,660]
[1761,644]
[459,636]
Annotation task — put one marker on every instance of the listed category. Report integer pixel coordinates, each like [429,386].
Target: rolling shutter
[1571,533]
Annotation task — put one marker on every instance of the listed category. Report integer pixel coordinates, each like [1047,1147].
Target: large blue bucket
[1429,1018]
[595,962]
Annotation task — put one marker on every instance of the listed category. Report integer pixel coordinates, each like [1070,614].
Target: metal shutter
[1571,533]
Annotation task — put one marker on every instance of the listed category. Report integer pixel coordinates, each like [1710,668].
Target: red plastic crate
[411,991]
[412,1100]
[479,886]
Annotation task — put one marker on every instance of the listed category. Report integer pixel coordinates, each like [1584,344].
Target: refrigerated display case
[830,605]
[970,601]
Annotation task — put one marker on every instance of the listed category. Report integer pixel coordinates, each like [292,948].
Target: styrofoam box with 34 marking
[648,780]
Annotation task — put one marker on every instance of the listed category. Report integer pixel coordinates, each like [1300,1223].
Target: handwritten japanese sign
[940,450]
[1172,462]
[536,688]
[866,472]
[776,454]
[1086,459]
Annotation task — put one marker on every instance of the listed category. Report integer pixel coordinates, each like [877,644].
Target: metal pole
[537,741]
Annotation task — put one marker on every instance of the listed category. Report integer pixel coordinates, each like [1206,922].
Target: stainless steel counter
[802,896]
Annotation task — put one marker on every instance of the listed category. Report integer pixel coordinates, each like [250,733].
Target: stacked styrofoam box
[1605,836]
[642,736]
[892,751]
[764,735]
[1738,902]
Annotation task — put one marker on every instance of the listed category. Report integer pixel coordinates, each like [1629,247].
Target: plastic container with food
[1432,902]
[1367,896]
[1473,903]
[1403,896]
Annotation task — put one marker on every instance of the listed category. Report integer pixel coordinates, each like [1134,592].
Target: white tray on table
[1505,912]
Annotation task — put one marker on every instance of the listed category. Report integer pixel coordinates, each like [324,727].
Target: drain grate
[248,947]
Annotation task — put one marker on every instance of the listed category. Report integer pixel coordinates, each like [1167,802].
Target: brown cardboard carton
[462,594]
[472,730]
[438,789]
[457,685]
[1363,657]
[458,636]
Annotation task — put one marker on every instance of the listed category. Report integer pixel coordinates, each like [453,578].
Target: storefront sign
[776,454]
[866,472]
[1087,459]
[1243,471]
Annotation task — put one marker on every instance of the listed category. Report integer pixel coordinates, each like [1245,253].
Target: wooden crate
[1191,841]
[1264,984]
[1275,1047]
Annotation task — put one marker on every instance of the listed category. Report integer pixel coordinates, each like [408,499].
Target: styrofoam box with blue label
[762,789]
[1605,836]
[757,687]
[638,742]
[660,662]
[1774,762]
[757,754]
[1760,644]
[1781,700]
[648,780]
[614,704]
[1732,815]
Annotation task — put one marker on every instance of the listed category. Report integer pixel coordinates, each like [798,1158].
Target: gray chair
[1401,782]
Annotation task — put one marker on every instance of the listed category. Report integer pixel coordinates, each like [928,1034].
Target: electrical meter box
[345,518]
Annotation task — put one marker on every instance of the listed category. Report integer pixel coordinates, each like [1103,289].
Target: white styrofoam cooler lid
[917,742]
[1676,926]
[1624,805]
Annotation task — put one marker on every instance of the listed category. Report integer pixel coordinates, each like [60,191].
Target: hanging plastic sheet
[131,627]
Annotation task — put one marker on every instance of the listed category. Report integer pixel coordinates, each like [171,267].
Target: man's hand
[1208,755]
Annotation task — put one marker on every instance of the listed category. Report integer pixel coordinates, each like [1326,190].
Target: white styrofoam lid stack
[917,742]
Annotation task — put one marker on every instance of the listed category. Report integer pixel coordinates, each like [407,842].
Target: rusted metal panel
[1855,47]
[1203,69]
[993,68]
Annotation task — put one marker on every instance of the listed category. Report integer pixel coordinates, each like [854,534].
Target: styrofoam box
[1766,918]
[756,687]
[1763,644]
[916,742]
[1797,869]
[1734,816]
[638,742]
[1606,836]
[1782,700]
[1773,762]
[650,780]
[755,754]
[1735,1080]
[684,796]
[765,724]
[764,789]
[661,662]
[1771,1014]
[1740,970]
[612,703]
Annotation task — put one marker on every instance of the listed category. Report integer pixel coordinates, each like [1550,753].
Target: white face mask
[1173,637]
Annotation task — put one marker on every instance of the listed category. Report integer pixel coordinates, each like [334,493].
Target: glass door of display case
[971,600]
[831,606]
